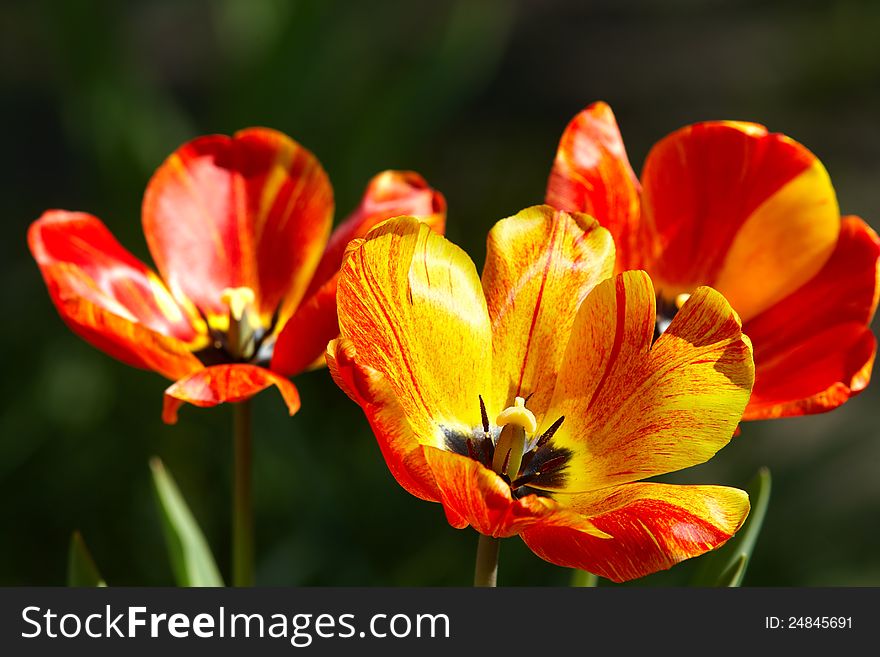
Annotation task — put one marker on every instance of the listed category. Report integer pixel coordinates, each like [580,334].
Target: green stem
[583,578]
[486,571]
[242,501]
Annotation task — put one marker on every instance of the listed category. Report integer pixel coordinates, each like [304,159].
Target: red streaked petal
[412,305]
[225,383]
[591,174]
[87,262]
[815,349]
[727,204]
[651,526]
[304,337]
[473,495]
[634,410]
[252,210]
[400,446]
[540,265]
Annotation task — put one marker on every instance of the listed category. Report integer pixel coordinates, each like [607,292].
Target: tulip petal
[473,495]
[727,204]
[104,273]
[591,174]
[540,265]
[815,349]
[652,527]
[389,194]
[633,410]
[411,304]
[111,299]
[304,337]
[225,383]
[400,446]
[253,210]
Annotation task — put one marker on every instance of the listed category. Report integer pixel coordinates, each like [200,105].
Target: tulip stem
[242,502]
[486,571]
[583,578]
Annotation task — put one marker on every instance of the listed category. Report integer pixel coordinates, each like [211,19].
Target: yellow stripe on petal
[782,245]
[411,304]
[633,410]
[540,266]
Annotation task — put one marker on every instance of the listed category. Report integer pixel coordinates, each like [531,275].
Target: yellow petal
[411,304]
[540,266]
[634,411]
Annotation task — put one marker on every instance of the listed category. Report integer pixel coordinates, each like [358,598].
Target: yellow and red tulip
[535,401]
[245,295]
[754,215]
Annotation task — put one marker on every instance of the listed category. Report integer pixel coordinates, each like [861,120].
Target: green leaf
[188,550]
[735,571]
[727,565]
[81,569]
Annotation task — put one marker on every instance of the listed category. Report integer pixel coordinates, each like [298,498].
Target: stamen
[547,468]
[486,446]
[547,435]
[553,463]
[484,415]
[522,481]
[681,299]
[241,335]
[470,448]
[238,300]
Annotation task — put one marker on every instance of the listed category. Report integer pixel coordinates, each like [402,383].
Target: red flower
[238,227]
[752,214]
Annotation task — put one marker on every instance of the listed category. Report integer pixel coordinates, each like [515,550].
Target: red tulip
[753,215]
[246,291]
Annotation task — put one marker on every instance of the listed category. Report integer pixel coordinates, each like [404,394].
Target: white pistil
[515,422]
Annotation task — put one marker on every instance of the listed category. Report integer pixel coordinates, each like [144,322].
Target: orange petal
[727,204]
[540,266]
[592,174]
[253,210]
[400,446]
[473,495]
[304,337]
[411,304]
[633,410]
[652,527]
[225,383]
[815,349]
[111,299]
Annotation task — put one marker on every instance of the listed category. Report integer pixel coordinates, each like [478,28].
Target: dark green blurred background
[474,95]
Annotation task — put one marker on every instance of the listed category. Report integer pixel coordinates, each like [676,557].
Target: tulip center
[239,336]
[666,312]
[513,449]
